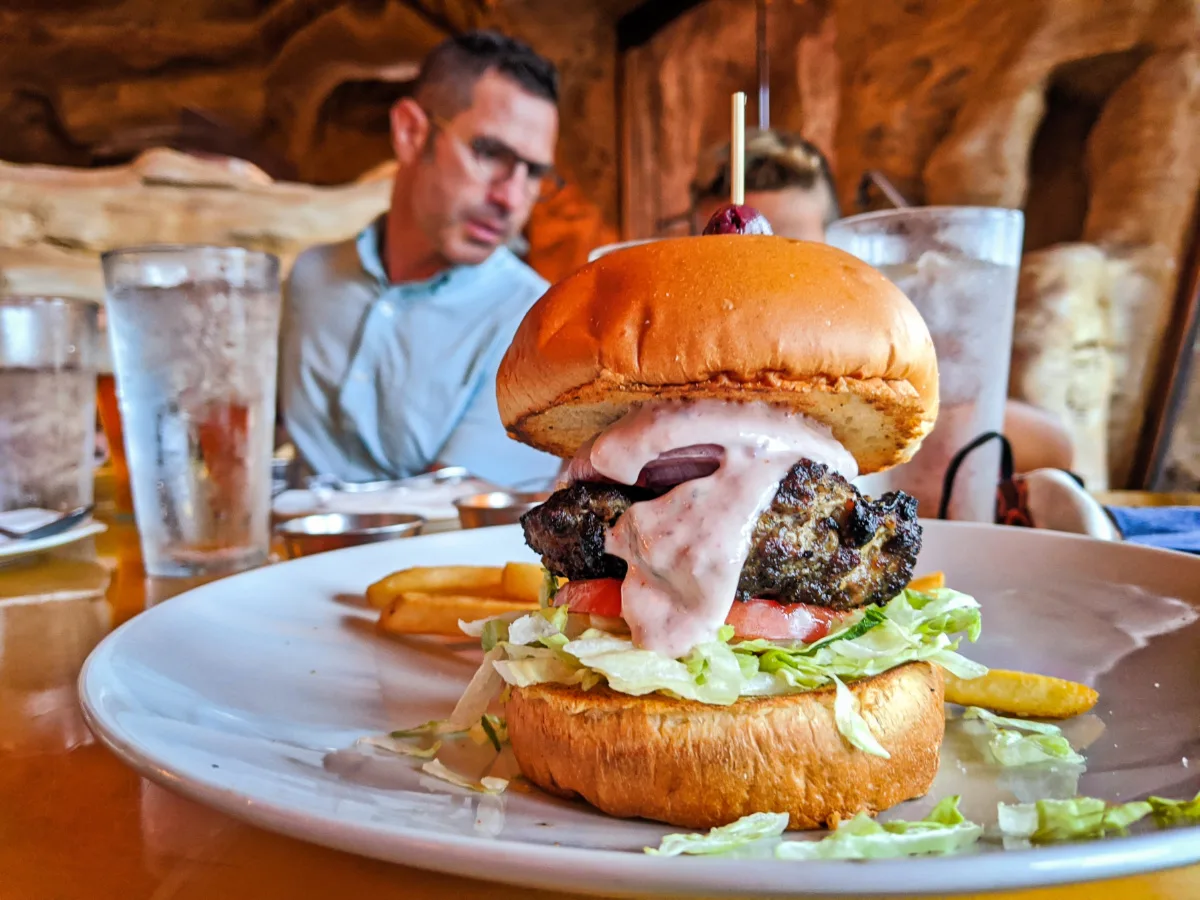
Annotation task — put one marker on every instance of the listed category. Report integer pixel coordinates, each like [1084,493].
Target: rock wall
[948,99]
[299,87]
[55,222]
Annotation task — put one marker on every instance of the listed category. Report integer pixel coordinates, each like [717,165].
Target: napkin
[435,502]
[1168,527]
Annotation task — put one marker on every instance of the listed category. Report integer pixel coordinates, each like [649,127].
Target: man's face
[458,201]
[793,212]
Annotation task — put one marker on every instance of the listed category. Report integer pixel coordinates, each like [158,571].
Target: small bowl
[306,535]
[497,507]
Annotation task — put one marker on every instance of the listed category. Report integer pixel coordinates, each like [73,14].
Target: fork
[61,524]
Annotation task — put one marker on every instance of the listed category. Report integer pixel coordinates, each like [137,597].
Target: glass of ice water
[194,335]
[959,266]
[47,402]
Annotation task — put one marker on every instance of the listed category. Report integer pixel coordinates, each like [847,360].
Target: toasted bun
[738,317]
[698,766]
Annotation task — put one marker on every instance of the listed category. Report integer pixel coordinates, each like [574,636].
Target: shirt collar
[369,243]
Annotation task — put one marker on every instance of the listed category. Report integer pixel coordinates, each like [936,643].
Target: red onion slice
[669,469]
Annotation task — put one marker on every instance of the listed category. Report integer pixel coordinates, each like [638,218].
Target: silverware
[496,507]
[446,475]
[59,525]
[318,533]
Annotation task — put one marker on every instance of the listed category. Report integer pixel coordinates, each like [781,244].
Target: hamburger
[726,628]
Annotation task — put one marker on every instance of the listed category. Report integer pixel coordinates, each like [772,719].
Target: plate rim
[16,548]
[551,867]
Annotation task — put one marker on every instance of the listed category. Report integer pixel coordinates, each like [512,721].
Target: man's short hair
[775,161]
[448,74]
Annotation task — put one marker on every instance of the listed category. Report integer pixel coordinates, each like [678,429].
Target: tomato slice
[595,597]
[782,622]
[766,619]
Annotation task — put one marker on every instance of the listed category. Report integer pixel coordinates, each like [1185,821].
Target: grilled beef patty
[820,541]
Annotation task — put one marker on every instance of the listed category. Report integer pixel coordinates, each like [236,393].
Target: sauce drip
[685,550]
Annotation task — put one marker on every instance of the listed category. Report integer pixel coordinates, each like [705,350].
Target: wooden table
[75,823]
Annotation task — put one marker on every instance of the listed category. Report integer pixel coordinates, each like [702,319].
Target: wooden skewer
[737,181]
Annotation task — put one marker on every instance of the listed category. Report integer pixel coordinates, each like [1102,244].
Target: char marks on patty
[820,541]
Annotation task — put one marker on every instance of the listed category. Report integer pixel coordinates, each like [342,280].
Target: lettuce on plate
[486,785]
[399,746]
[943,831]
[1168,813]
[1019,742]
[550,645]
[1051,821]
[745,830]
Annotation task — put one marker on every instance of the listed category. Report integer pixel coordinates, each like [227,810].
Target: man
[787,180]
[391,341]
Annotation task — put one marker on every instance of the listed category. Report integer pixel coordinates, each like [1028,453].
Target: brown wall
[300,87]
[677,88]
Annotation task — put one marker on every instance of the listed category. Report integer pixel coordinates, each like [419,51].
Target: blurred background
[264,123]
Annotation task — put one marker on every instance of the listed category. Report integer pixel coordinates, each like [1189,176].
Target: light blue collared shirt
[380,380]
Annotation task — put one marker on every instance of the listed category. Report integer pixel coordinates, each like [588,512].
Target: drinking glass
[194,333]
[959,267]
[47,402]
[110,421]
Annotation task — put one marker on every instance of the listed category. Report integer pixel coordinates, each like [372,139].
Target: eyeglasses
[496,163]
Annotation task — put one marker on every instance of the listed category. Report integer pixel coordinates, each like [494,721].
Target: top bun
[733,317]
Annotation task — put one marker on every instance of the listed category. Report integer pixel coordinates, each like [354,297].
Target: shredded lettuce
[550,587]
[486,785]
[975,712]
[432,728]
[1007,746]
[851,723]
[725,838]
[1051,821]
[551,646]
[485,684]
[535,627]
[943,831]
[494,632]
[489,729]
[398,746]
[1168,813]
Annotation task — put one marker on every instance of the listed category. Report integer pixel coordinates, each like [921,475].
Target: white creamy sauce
[685,550]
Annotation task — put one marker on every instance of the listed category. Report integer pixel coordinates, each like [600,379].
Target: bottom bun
[695,765]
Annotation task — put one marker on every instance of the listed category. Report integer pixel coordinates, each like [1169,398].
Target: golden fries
[523,581]
[474,580]
[931,582]
[432,599]
[1022,694]
[418,613]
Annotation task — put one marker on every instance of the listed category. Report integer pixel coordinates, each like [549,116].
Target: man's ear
[410,130]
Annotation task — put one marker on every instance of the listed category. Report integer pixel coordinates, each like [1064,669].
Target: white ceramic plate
[246,693]
[12,548]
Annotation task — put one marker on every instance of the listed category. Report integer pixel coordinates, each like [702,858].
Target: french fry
[1022,694]
[471,580]
[523,581]
[420,613]
[931,582]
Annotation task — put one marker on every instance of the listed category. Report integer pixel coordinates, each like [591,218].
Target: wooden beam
[1174,376]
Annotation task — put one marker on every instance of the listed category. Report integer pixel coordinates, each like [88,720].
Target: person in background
[390,342]
[789,181]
